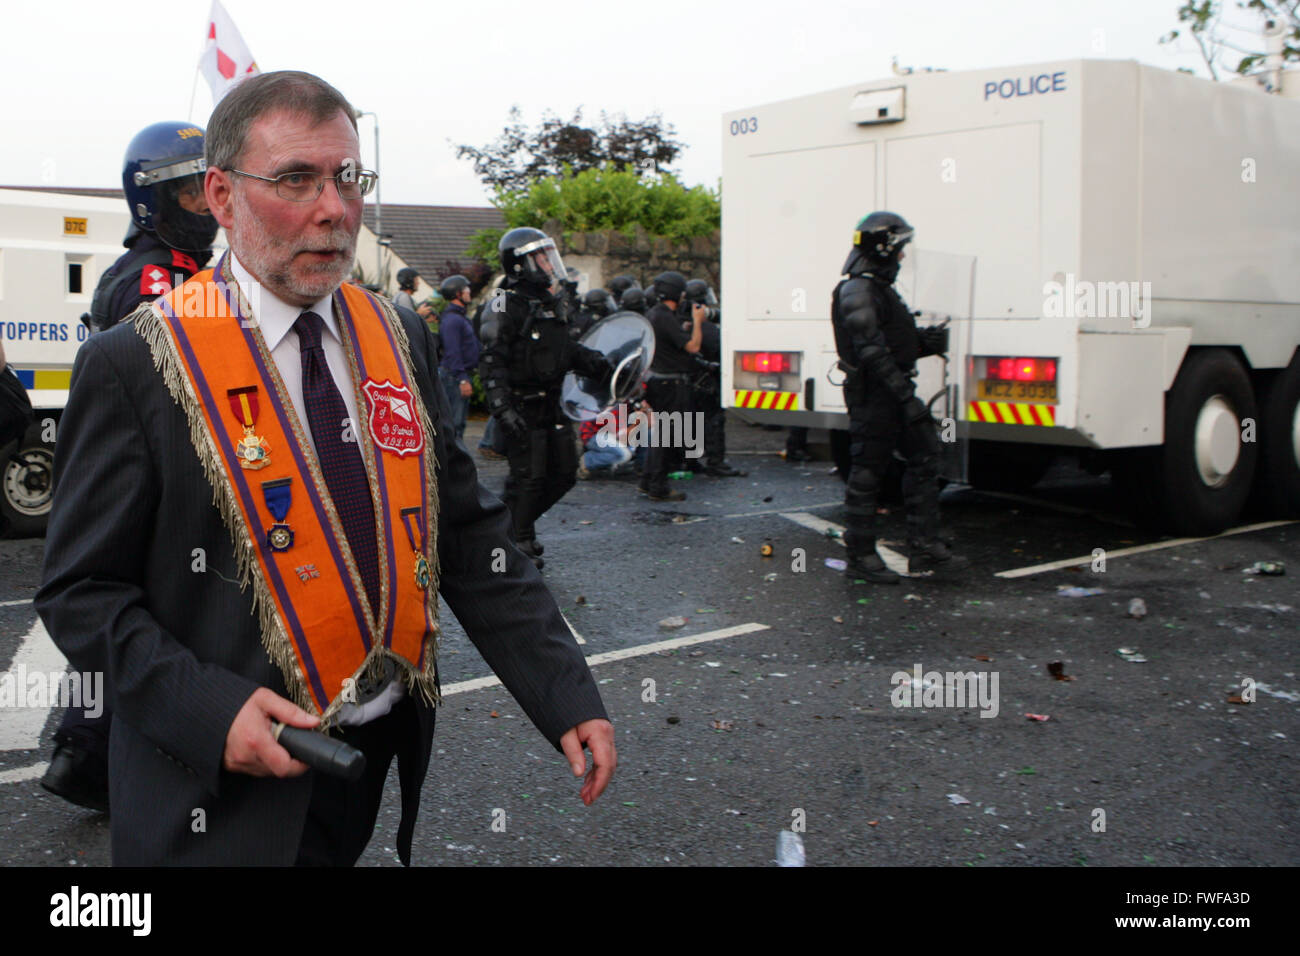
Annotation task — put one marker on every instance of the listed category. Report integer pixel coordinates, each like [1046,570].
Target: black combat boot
[724,470]
[871,567]
[931,554]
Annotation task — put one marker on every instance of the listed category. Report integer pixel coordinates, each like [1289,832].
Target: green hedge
[599,199]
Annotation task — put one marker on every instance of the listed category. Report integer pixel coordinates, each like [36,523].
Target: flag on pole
[225,59]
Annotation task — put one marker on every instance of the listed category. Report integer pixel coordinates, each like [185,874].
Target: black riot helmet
[164,166]
[620,284]
[530,260]
[406,278]
[451,287]
[633,300]
[670,285]
[600,303]
[878,245]
[699,292]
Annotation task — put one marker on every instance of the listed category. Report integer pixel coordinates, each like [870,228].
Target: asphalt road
[783,712]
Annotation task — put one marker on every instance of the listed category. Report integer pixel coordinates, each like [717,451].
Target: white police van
[1116,247]
[53,248]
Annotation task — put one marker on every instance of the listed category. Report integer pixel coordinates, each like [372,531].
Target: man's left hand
[466,389]
[598,737]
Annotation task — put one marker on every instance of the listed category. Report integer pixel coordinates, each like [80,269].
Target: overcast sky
[80,78]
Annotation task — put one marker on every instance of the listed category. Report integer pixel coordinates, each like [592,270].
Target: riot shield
[627,340]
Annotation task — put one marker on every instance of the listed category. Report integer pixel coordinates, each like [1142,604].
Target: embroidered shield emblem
[394,424]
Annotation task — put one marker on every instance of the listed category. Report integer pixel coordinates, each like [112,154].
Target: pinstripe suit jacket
[123,593]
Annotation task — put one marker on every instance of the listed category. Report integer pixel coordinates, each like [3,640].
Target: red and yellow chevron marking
[757,398]
[1011,413]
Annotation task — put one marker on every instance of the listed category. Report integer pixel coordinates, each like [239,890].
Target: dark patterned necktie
[340,461]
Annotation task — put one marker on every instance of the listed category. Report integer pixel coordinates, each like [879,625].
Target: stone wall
[603,255]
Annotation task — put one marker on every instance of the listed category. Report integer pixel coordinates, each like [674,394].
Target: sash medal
[252,451]
[417,545]
[278,495]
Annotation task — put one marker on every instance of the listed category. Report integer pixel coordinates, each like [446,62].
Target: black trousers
[708,401]
[543,464]
[341,816]
[876,429]
[88,733]
[664,395]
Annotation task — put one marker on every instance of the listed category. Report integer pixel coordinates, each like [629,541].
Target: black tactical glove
[915,410]
[512,422]
[934,340]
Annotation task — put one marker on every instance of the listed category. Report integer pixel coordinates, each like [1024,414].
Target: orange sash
[317,623]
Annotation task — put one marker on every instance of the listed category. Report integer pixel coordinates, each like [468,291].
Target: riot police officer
[706,388]
[171,232]
[633,300]
[668,389]
[878,345]
[169,240]
[596,304]
[620,284]
[526,353]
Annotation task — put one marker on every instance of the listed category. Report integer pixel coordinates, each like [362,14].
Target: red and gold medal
[252,450]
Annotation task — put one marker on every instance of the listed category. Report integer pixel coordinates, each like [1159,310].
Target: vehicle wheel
[1278,480]
[1203,472]
[1007,466]
[26,482]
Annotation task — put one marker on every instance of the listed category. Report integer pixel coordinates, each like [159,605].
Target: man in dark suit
[143,569]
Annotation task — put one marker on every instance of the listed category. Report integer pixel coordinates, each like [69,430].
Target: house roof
[425,237]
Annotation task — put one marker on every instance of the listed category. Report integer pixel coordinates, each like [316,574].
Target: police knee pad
[863,481]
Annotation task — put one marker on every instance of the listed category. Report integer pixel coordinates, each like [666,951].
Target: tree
[605,198]
[520,156]
[1205,23]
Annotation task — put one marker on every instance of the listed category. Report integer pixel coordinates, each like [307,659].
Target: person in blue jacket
[460,350]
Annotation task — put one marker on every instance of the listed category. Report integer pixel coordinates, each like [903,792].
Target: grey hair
[295,92]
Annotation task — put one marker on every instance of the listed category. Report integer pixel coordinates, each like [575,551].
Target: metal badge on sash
[279,496]
[422,573]
[252,450]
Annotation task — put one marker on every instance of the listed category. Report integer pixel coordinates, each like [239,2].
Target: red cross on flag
[226,59]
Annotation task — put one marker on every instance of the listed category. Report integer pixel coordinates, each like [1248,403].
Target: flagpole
[189,117]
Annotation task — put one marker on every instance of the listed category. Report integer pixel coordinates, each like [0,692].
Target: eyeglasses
[305,186]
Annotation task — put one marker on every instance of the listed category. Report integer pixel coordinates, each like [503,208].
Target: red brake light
[1021,369]
[768,362]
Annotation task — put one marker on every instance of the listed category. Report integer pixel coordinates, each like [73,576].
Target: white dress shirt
[276,317]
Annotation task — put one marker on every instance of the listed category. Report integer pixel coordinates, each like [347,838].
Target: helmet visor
[182,219]
[543,266]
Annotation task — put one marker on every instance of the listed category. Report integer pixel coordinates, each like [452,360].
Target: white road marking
[23,773]
[640,650]
[573,630]
[20,727]
[15,603]
[895,561]
[781,511]
[1137,549]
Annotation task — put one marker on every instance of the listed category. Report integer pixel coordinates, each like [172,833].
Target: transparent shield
[940,288]
[627,340]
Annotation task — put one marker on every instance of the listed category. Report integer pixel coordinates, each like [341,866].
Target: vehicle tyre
[1204,471]
[1278,479]
[26,484]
